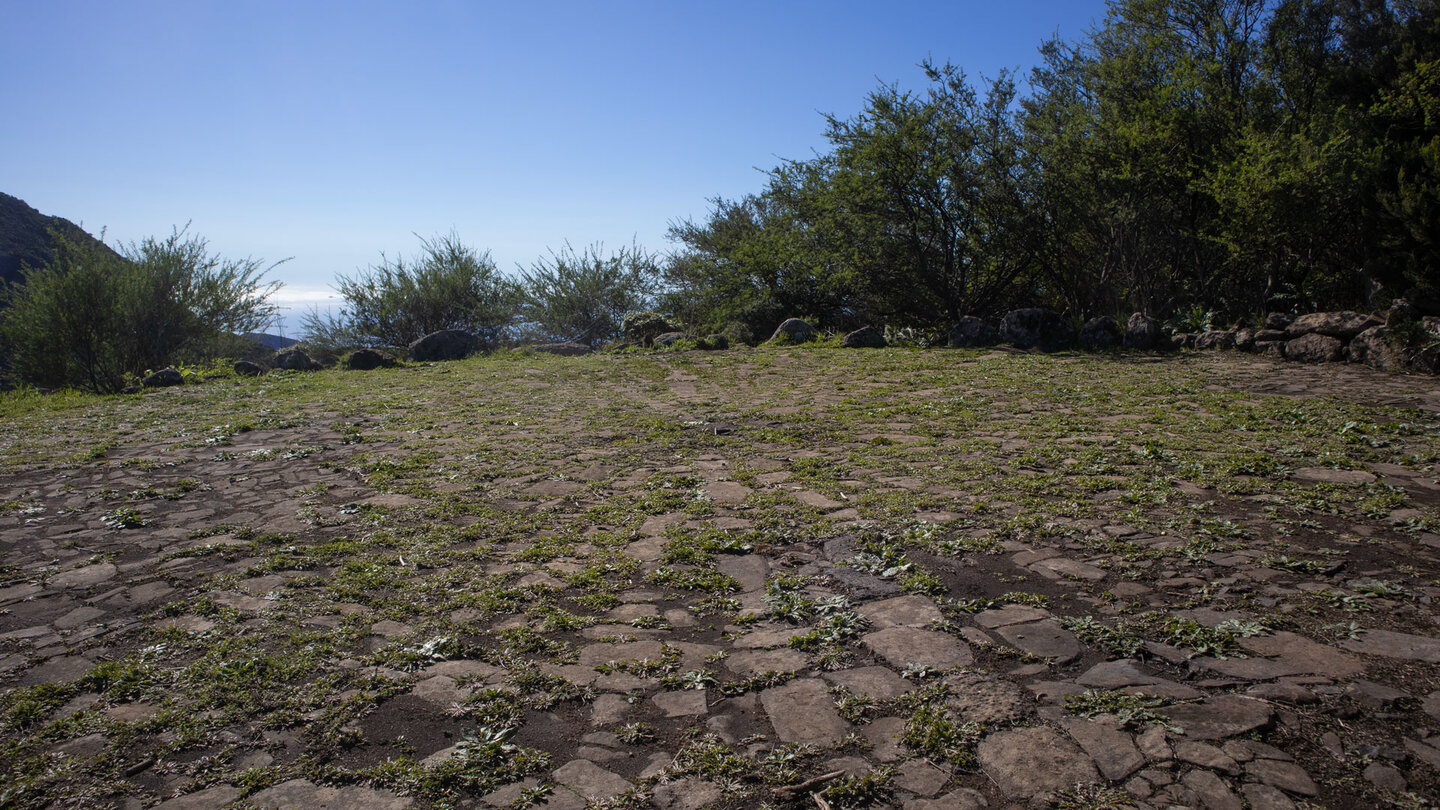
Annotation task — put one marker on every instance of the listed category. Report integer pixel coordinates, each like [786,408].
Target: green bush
[92,318]
[448,286]
[582,296]
[646,326]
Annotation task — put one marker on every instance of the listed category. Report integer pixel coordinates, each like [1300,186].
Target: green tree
[93,319]
[449,285]
[583,295]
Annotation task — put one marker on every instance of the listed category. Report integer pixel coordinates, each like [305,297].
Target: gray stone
[301,793]
[86,577]
[1211,790]
[1386,777]
[566,349]
[749,663]
[1287,776]
[1111,748]
[971,332]
[803,711]
[901,611]
[880,683]
[1290,693]
[962,799]
[1045,639]
[1206,756]
[681,704]
[294,360]
[1264,797]
[590,780]
[793,330]
[921,777]
[1100,333]
[864,338]
[687,794]
[665,340]
[1396,645]
[1026,762]
[1341,325]
[1220,716]
[986,699]
[1216,339]
[902,646]
[1372,348]
[245,368]
[447,344]
[368,360]
[1036,327]
[1010,614]
[216,796]
[1142,332]
[1315,349]
[164,378]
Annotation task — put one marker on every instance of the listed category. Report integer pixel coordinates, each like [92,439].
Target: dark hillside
[25,236]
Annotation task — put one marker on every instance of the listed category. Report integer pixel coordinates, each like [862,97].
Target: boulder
[668,339]
[793,330]
[565,349]
[1143,332]
[713,343]
[1342,325]
[447,344]
[645,326]
[1271,348]
[1270,334]
[1215,339]
[245,368]
[867,337]
[1373,349]
[1315,348]
[1183,340]
[164,378]
[1278,321]
[1036,327]
[971,331]
[367,359]
[295,360]
[1245,339]
[1401,309]
[1101,333]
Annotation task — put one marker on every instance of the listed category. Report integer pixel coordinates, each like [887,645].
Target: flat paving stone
[1026,762]
[211,797]
[590,780]
[1112,749]
[1396,645]
[902,646]
[1043,639]
[1010,614]
[901,611]
[749,663]
[85,577]
[1219,717]
[802,711]
[681,704]
[299,793]
[880,683]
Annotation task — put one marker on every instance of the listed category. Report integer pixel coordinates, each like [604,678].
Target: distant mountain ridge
[25,237]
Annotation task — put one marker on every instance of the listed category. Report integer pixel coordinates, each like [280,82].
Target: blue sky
[330,132]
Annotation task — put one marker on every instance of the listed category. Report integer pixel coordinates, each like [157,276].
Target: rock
[880,683]
[986,699]
[1245,339]
[1278,321]
[1100,333]
[216,796]
[1211,790]
[1396,645]
[368,359]
[1325,475]
[245,368]
[665,340]
[1026,762]
[1220,716]
[962,799]
[565,349]
[1215,339]
[713,343]
[1112,749]
[681,704]
[1036,327]
[749,663]
[1401,309]
[1371,348]
[1288,693]
[902,646]
[447,344]
[645,326]
[1264,797]
[918,776]
[301,793]
[1010,614]
[1287,776]
[1206,756]
[1315,348]
[164,378]
[1341,325]
[84,577]
[1043,639]
[1377,696]
[793,330]
[971,332]
[901,611]
[590,780]
[1386,777]
[802,711]
[295,360]
[1142,332]
[687,794]
[864,338]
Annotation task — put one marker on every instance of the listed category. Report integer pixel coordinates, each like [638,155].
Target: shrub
[581,296]
[448,286]
[92,318]
[645,326]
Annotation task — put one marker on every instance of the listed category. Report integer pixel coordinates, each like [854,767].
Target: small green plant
[123,517]
[1133,710]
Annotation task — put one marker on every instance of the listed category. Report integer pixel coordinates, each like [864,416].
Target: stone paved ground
[804,578]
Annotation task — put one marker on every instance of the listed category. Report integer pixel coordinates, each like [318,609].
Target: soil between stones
[646,580]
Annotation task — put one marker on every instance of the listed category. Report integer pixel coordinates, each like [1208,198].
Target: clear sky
[332,131]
